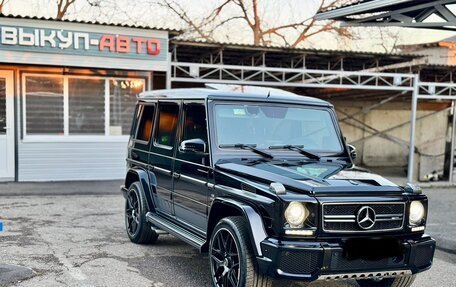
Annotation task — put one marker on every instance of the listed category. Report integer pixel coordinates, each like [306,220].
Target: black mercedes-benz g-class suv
[267,186]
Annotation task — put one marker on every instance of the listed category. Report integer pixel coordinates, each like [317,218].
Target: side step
[174,229]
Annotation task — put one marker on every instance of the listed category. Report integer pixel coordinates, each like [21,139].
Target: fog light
[418,228]
[299,232]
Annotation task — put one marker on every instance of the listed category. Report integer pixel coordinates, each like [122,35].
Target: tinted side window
[167,124]
[195,122]
[146,122]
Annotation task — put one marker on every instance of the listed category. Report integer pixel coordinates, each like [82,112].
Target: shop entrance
[6,126]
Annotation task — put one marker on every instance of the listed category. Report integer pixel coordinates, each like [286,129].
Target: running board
[174,229]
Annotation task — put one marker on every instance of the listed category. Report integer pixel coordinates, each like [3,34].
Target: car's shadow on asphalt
[171,261]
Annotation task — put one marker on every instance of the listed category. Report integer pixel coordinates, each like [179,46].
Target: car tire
[405,281]
[138,229]
[231,258]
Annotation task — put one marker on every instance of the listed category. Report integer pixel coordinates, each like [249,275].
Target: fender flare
[256,228]
[144,181]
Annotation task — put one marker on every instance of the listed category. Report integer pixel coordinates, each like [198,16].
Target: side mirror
[352,150]
[193,145]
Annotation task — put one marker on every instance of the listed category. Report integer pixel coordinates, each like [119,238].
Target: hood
[311,177]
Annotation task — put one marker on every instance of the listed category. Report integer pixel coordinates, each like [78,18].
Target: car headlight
[295,214]
[417,213]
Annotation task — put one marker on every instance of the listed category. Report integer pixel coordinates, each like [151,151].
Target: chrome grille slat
[341,217]
[340,220]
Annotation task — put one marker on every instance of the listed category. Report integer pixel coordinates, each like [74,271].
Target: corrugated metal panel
[172,31]
[179,42]
[71,161]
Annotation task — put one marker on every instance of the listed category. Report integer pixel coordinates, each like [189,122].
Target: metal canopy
[381,78]
[403,13]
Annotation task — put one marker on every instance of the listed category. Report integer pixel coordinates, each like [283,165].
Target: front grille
[342,217]
[299,262]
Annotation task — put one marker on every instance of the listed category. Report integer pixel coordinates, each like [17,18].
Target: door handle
[176,175]
[134,155]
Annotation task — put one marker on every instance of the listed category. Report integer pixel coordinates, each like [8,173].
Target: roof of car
[207,93]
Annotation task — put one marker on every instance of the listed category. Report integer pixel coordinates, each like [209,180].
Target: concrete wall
[435,55]
[378,151]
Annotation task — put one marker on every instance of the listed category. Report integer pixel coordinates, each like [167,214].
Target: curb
[61,188]
[438,185]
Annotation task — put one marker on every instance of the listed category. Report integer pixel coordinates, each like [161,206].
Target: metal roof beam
[431,5]
[445,13]
[441,25]
[356,9]
[411,16]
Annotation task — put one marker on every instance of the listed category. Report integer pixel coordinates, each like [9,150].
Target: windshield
[270,125]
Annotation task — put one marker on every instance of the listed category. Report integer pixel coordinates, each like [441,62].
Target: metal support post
[412,130]
[453,110]
[168,72]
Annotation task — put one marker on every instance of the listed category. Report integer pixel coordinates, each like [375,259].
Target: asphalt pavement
[442,217]
[72,239]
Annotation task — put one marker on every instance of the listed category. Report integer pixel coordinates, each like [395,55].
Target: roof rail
[250,89]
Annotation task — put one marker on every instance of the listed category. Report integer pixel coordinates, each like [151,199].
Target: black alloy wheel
[225,259]
[136,208]
[132,212]
[231,257]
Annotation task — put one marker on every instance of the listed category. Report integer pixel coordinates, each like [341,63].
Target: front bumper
[310,261]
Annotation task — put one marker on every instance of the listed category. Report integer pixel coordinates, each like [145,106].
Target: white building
[67,94]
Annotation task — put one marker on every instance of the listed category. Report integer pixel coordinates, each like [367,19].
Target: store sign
[82,43]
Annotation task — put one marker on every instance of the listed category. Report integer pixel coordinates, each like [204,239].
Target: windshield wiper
[298,148]
[251,147]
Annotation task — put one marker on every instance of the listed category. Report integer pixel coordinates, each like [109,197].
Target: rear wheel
[404,281]
[138,229]
[231,258]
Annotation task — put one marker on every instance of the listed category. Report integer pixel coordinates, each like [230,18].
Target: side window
[146,122]
[168,118]
[195,122]
[194,128]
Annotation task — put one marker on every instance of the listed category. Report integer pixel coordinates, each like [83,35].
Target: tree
[2,4]
[247,14]
[62,8]
[64,5]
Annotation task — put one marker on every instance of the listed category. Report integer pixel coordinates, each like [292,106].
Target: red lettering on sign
[139,42]
[107,41]
[123,44]
[153,47]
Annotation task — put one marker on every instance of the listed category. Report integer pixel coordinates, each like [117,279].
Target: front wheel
[405,281]
[231,258]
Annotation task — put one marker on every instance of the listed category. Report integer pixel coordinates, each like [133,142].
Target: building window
[56,105]
[2,106]
[44,105]
[122,96]
[86,106]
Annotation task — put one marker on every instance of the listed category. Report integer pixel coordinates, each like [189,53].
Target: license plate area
[373,249]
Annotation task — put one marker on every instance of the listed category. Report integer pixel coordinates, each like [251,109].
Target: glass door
[6,126]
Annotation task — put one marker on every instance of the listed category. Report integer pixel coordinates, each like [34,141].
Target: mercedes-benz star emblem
[366,217]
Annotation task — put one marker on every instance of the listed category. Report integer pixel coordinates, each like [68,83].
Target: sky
[144,12]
